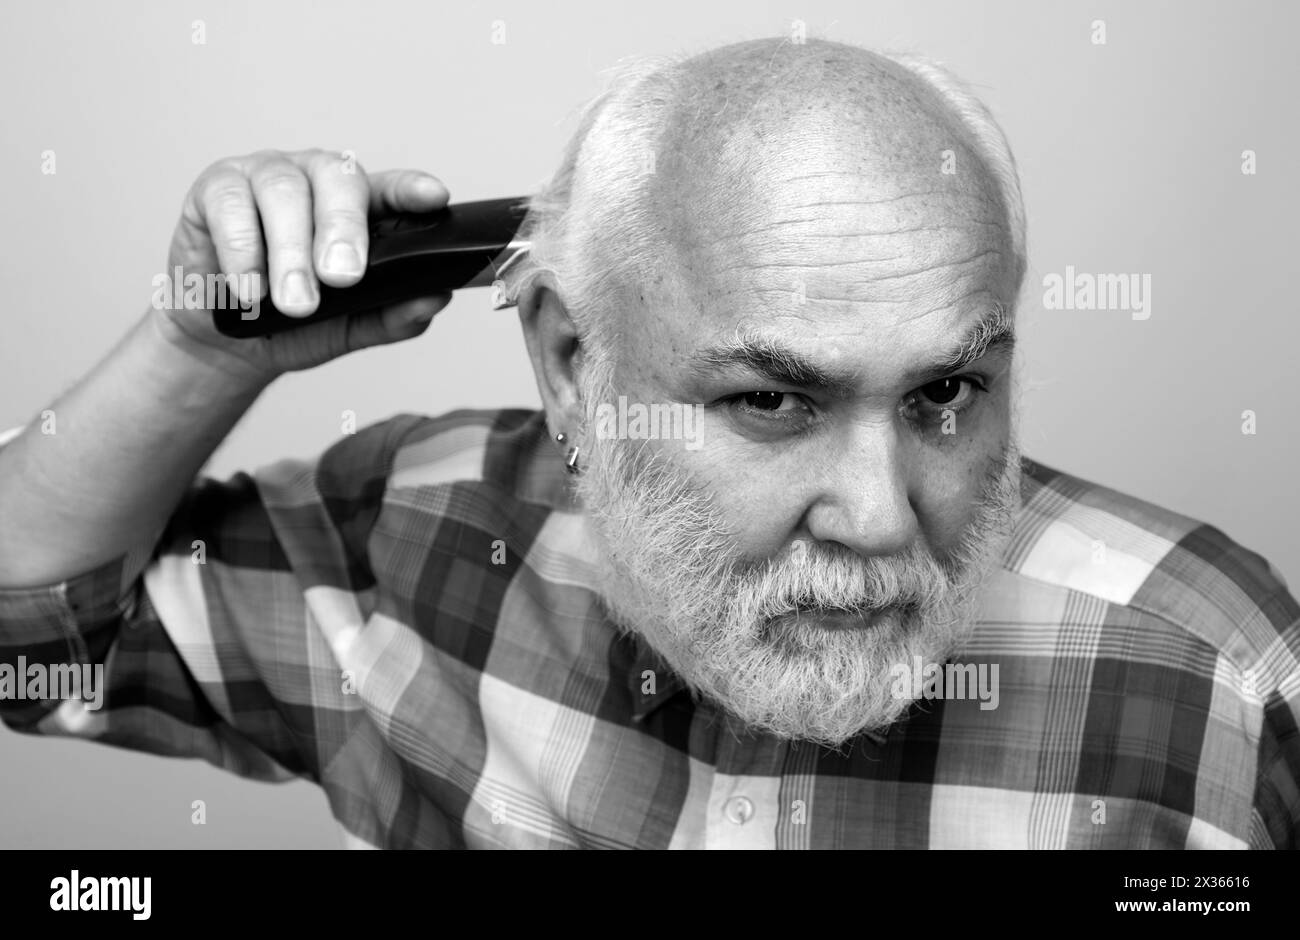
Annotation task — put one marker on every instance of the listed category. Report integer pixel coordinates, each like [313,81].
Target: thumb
[395,323]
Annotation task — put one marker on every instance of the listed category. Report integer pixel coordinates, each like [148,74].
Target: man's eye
[951,393]
[935,400]
[776,402]
[765,412]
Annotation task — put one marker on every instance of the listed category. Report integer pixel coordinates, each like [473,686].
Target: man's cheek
[948,495]
[760,510]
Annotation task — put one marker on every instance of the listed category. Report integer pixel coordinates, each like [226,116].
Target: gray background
[1130,158]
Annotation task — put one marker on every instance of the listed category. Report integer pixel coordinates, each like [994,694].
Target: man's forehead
[835,275]
[917,250]
[802,238]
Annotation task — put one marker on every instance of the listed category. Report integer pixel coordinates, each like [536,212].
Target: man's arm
[133,433]
[128,439]
[223,648]
[96,573]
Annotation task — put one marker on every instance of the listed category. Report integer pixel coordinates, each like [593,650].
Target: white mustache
[826,580]
[831,577]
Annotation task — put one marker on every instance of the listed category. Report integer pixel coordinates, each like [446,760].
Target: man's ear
[555,350]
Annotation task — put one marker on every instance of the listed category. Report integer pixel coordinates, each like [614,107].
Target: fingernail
[342,258]
[427,186]
[296,290]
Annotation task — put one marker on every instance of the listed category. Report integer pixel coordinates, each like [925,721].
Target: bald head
[756,115]
[772,146]
[687,164]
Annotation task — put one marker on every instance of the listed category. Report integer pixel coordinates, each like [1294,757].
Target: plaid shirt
[408,621]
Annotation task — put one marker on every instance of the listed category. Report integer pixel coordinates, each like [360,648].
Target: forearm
[127,441]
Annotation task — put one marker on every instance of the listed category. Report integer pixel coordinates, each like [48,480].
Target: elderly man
[835,608]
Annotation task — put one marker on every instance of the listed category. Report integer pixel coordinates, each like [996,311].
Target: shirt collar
[650,682]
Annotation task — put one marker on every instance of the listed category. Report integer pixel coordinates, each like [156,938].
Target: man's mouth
[835,618]
[844,618]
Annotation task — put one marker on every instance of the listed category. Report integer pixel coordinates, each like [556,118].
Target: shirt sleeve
[205,644]
[1276,821]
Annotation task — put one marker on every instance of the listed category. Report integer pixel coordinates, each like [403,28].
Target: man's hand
[295,220]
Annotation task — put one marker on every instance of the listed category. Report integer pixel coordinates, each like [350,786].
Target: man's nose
[861,494]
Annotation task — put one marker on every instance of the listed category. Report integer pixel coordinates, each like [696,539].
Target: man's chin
[824,714]
[819,678]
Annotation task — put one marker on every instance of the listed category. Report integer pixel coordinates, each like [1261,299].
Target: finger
[340,201]
[284,198]
[192,246]
[406,191]
[312,344]
[225,208]
[395,323]
[192,250]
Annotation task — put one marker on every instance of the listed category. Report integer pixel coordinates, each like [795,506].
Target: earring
[570,458]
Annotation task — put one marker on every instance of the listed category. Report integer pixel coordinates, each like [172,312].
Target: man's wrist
[180,363]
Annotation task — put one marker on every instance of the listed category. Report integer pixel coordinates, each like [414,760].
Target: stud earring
[571,457]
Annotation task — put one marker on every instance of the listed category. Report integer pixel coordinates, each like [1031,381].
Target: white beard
[730,629]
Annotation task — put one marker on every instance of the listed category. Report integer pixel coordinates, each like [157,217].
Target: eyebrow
[761,354]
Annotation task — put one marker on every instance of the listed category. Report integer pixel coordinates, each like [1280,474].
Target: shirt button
[738,810]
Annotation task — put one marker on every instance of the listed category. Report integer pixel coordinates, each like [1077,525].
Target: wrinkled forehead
[834,230]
